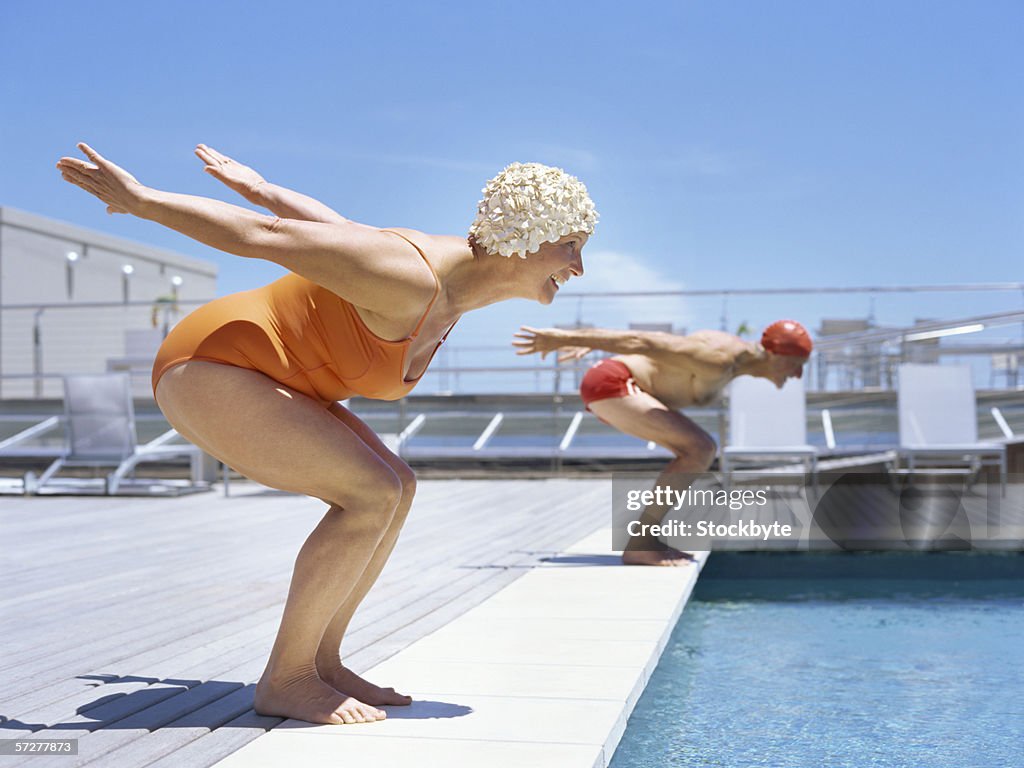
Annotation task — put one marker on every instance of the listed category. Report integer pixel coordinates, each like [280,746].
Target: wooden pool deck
[140,626]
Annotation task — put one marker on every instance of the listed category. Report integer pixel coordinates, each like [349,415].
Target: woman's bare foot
[304,696]
[341,678]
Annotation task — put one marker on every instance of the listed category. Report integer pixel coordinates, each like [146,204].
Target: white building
[73,300]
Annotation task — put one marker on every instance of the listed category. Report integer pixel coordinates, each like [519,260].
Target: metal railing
[40,342]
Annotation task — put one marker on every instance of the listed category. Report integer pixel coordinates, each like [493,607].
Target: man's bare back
[682,380]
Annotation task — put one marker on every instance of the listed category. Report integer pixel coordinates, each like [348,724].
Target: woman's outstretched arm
[279,200]
[364,265]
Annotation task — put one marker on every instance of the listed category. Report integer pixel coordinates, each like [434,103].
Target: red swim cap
[787,337]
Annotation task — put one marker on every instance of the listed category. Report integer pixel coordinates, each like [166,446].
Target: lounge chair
[26,445]
[939,423]
[766,423]
[99,422]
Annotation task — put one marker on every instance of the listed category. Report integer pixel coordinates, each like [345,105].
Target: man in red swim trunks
[652,374]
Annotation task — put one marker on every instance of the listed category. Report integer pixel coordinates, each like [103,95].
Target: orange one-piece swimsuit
[301,335]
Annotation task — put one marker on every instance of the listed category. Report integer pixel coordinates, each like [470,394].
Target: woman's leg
[646,417]
[283,439]
[328,659]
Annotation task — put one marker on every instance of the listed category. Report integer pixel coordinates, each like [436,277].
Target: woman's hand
[110,183]
[543,340]
[241,178]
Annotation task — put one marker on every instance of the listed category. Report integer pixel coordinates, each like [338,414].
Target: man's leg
[646,417]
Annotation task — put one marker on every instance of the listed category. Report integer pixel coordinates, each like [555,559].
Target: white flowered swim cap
[529,204]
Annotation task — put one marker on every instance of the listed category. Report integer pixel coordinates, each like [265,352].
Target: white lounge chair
[24,445]
[768,423]
[99,422]
[939,423]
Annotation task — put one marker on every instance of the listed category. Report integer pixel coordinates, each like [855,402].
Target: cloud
[576,161]
[422,160]
[703,162]
[484,338]
[322,151]
[618,272]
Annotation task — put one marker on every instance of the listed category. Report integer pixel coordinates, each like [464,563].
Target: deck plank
[173,604]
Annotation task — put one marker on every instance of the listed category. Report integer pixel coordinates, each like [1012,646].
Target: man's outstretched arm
[705,347]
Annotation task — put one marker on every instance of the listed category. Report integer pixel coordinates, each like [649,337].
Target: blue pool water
[840,660]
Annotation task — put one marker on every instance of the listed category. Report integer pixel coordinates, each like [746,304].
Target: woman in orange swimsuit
[254,378]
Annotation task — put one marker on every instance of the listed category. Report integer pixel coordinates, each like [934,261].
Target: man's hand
[543,340]
[110,183]
[573,353]
[241,178]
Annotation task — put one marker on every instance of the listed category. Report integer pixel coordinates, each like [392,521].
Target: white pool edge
[546,671]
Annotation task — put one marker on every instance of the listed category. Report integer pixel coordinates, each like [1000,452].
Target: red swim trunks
[605,380]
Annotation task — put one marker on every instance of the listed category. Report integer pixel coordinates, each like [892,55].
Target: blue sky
[726,144]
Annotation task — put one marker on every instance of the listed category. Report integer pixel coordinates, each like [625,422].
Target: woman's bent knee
[377,493]
[372,516]
[407,478]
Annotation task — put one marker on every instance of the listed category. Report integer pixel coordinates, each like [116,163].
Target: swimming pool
[869,659]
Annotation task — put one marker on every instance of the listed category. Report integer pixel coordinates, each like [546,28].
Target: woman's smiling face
[550,268]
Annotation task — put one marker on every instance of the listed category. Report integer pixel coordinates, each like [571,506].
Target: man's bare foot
[341,678]
[648,550]
[667,556]
[304,696]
